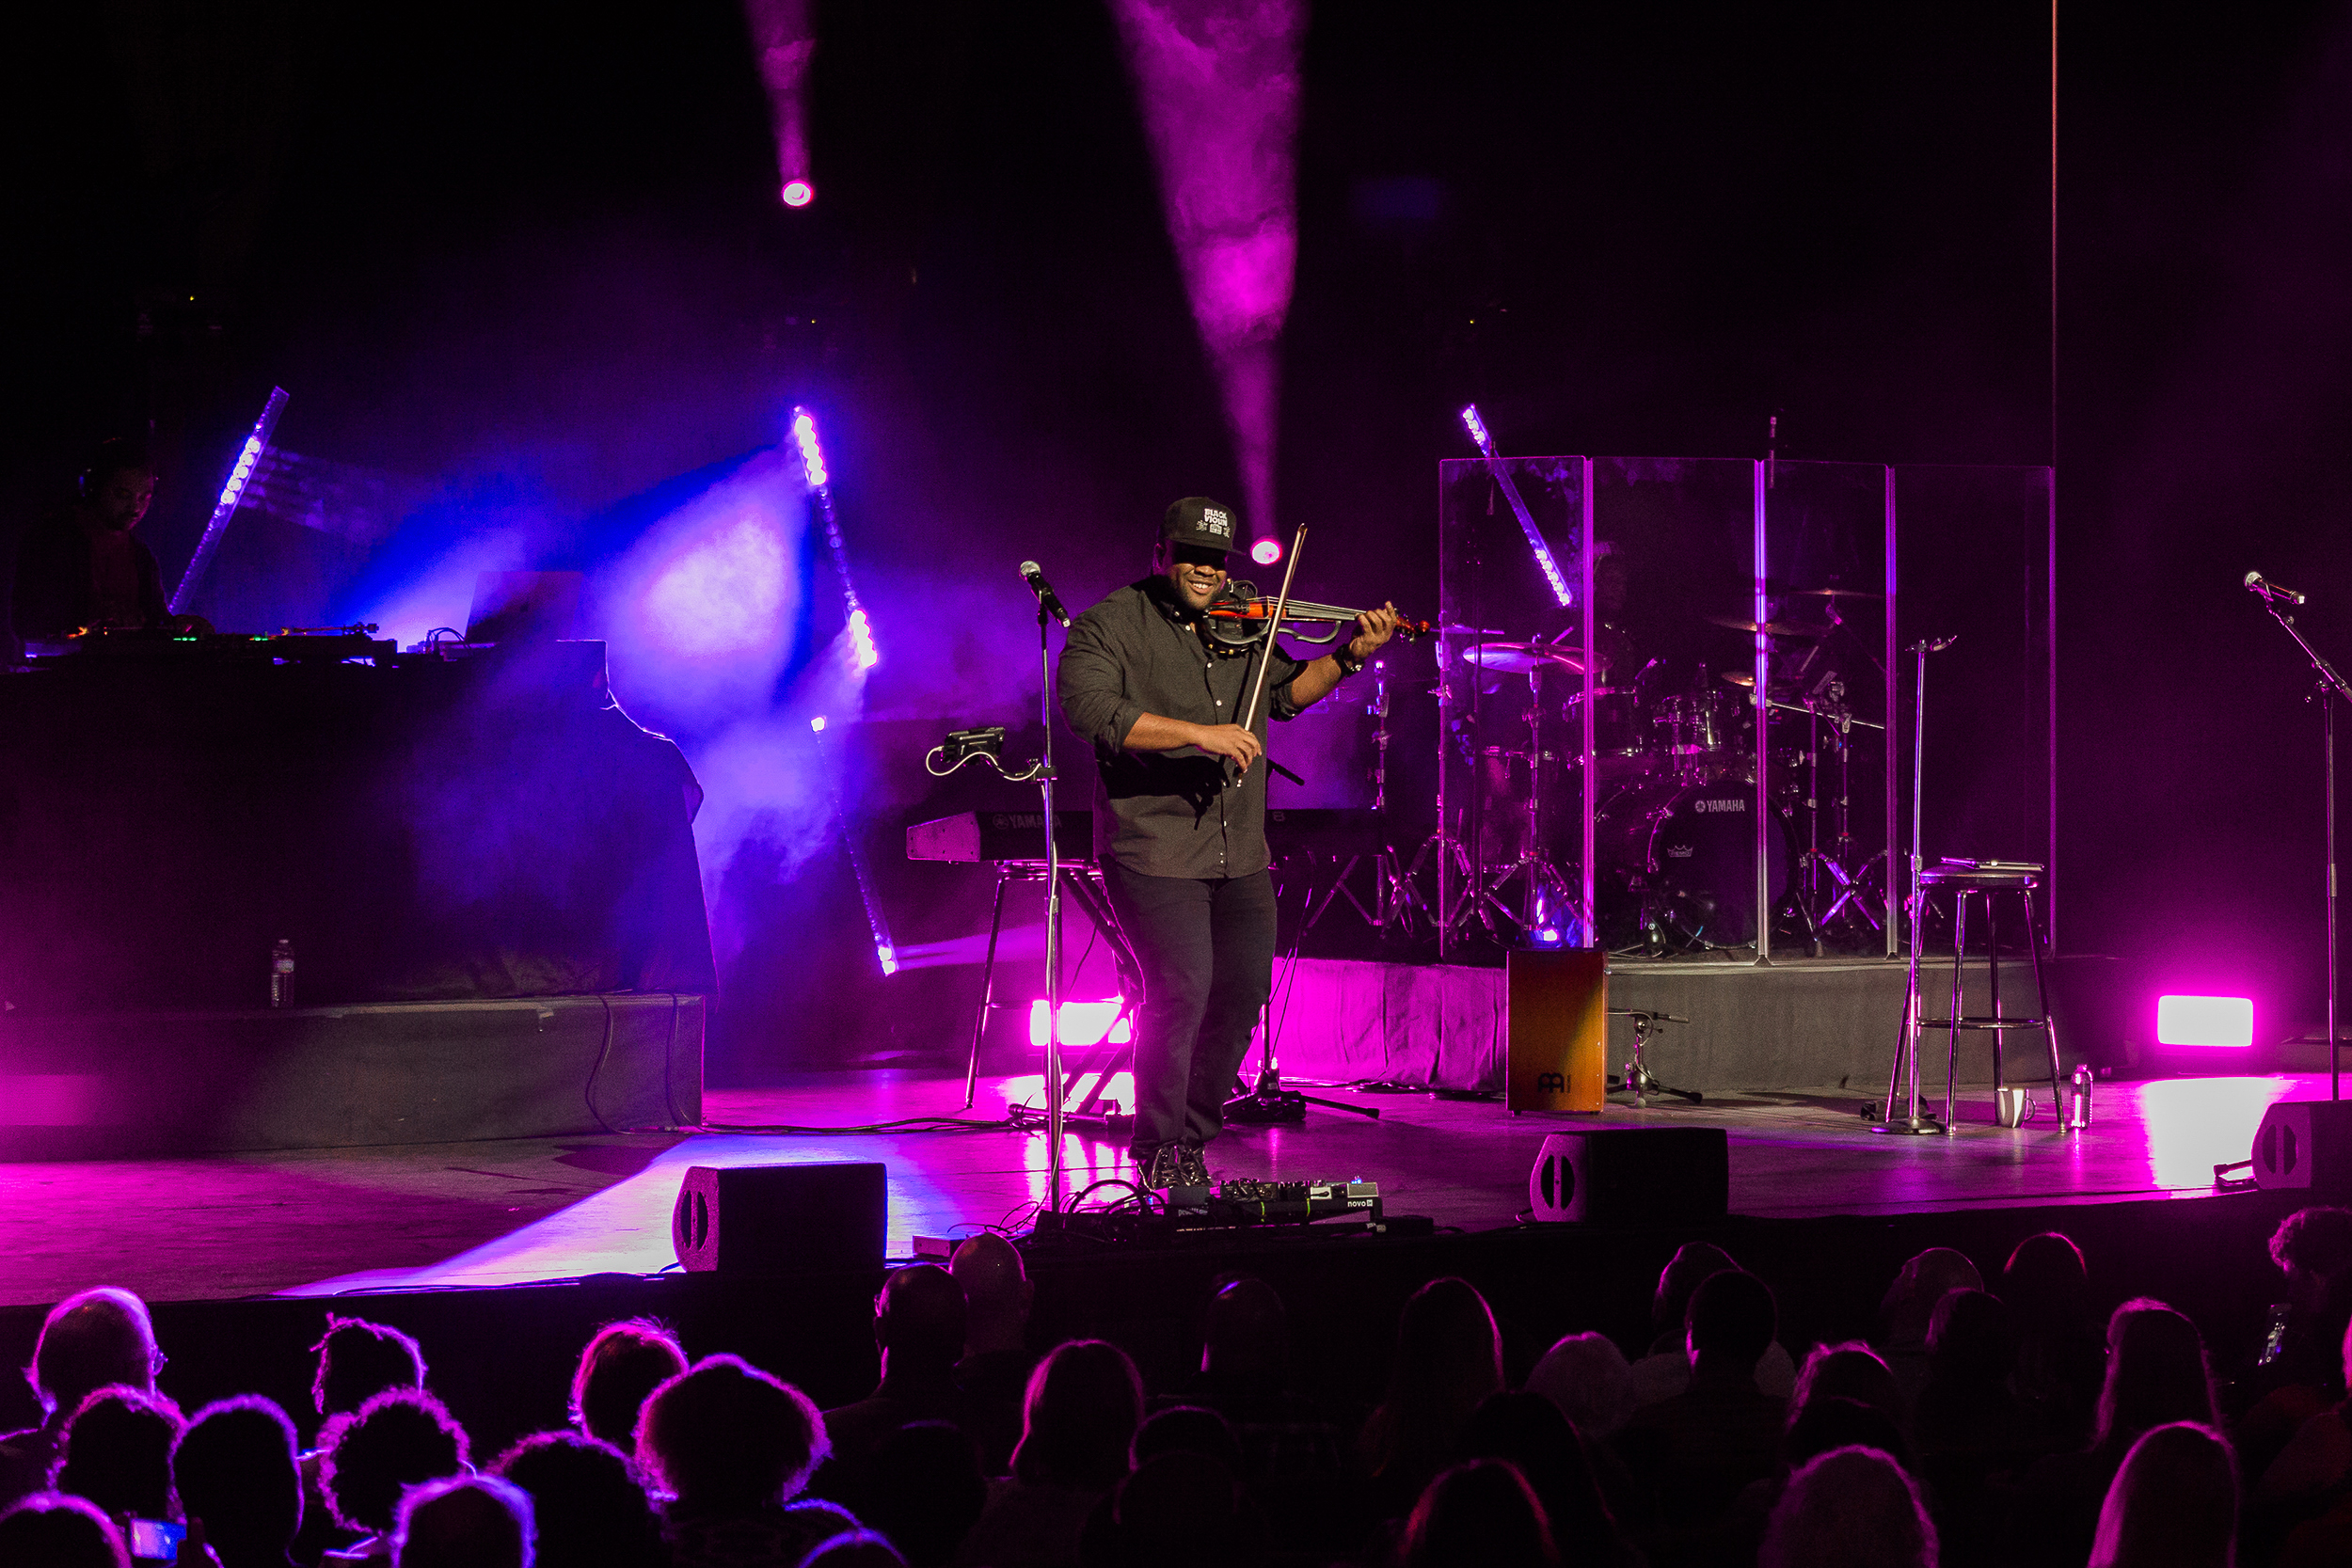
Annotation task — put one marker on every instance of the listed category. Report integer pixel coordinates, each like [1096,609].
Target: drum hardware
[1521,659]
[1638,1080]
[1770,628]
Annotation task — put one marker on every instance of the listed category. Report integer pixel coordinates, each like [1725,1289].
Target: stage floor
[419,1216]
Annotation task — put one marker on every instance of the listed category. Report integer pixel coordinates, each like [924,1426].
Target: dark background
[537,261]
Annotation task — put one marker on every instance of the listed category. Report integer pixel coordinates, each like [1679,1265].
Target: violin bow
[1281,603]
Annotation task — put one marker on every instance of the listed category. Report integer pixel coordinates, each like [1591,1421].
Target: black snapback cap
[1200,522]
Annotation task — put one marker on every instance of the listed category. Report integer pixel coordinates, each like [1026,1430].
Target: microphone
[1034,574]
[1932,644]
[2270,590]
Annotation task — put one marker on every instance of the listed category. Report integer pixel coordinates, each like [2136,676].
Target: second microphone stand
[2332,686]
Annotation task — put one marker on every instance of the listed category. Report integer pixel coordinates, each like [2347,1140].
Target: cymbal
[1770,628]
[1518,659]
[1747,678]
[1784,590]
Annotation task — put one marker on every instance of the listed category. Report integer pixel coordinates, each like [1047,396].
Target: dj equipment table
[417,829]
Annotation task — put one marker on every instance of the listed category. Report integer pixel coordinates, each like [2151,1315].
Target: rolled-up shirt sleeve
[1279,704]
[1093,685]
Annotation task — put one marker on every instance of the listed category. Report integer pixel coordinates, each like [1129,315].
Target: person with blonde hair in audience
[93,1340]
[1588,1378]
[1850,1507]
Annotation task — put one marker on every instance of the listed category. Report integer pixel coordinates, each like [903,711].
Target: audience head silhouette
[1925,1279]
[726,1436]
[118,1452]
[464,1522]
[622,1365]
[2156,1372]
[588,1503]
[1850,1370]
[996,1293]
[1529,1431]
[1481,1515]
[1692,1263]
[858,1548]
[1833,1421]
[2173,1503]
[1732,1323]
[1246,1334]
[919,1318]
[1083,1404]
[48,1530]
[923,1490]
[358,1360]
[234,1470]
[1586,1376]
[1848,1508]
[399,1438]
[1968,1339]
[1449,1361]
[91,1340]
[2045,1281]
[1186,1429]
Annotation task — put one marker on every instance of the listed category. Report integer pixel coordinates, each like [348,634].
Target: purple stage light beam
[1218,84]
[784,41]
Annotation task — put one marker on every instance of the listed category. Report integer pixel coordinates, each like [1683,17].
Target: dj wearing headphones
[85,567]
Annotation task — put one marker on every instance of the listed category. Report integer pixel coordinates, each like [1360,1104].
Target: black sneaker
[1161,1169]
[1192,1167]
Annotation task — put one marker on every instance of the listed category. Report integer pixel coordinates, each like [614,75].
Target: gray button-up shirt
[1167,813]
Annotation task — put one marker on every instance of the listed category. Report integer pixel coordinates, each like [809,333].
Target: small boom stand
[2332,686]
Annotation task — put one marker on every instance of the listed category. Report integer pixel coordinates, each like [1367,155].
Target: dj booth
[418,829]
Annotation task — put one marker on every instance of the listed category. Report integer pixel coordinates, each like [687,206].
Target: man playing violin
[1179,818]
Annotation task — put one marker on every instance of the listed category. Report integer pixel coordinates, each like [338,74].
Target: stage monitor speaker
[1632,1176]
[2305,1146]
[1558,1024]
[780,1219]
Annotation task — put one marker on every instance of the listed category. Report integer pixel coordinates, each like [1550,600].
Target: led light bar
[1552,575]
[232,493]
[864,652]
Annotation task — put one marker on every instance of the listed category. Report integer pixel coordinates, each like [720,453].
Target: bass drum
[1678,859]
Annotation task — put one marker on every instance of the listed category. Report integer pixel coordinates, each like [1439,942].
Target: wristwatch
[1349,664]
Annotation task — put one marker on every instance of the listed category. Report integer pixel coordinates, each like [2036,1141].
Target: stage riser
[1795,1025]
[136,1083]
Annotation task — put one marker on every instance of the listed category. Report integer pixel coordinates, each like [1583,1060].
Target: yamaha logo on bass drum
[1735,802]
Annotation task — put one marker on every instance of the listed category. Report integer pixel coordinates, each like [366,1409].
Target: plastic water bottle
[2078,1098]
[281,974]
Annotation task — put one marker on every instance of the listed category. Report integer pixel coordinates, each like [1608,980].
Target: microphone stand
[1904,1080]
[1052,916]
[2332,686]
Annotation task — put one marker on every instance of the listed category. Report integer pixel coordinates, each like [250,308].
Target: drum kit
[1673,791]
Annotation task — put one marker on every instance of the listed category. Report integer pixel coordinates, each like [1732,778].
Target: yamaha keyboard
[1012,837]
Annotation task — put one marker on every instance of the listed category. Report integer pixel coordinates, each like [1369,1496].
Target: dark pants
[1207,951]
